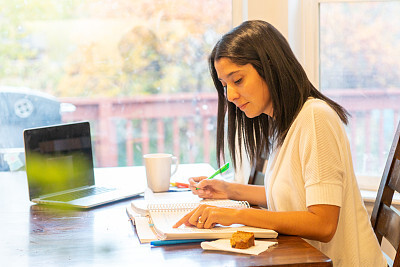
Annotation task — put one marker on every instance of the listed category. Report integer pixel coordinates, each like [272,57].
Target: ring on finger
[200,221]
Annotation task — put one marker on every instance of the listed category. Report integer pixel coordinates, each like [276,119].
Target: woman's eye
[238,81]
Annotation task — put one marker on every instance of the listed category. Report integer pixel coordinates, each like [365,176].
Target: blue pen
[174,242]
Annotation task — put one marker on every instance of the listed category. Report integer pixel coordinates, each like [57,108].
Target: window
[137,70]
[359,67]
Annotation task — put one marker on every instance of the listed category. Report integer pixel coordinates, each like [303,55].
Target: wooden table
[34,235]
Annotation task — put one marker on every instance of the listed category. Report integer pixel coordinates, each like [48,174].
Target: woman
[310,186]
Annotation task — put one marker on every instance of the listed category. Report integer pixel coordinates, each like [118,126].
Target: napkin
[225,245]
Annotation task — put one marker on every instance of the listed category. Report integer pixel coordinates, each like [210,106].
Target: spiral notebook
[160,217]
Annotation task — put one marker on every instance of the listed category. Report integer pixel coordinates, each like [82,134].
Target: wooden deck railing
[197,111]
[375,115]
[126,127]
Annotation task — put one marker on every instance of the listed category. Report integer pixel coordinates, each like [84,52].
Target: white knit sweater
[314,166]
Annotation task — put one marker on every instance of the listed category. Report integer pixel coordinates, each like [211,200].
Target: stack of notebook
[154,218]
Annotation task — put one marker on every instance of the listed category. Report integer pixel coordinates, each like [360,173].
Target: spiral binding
[191,205]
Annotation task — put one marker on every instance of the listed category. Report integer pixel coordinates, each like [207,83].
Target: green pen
[220,170]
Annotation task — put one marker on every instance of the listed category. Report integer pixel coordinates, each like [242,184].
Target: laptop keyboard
[79,194]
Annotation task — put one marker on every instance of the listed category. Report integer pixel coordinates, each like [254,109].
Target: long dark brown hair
[260,44]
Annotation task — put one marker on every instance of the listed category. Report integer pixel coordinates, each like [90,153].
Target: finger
[195,180]
[209,221]
[193,188]
[194,219]
[184,219]
[203,184]
[205,193]
[193,184]
[200,223]
[199,178]
[204,218]
[208,224]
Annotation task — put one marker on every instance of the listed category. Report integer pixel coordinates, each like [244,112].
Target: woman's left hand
[207,216]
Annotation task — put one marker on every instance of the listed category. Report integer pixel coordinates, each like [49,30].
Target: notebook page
[165,216]
[144,231]
[188,206]
[163,222]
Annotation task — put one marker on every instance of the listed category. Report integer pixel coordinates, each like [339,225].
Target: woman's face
[244,87]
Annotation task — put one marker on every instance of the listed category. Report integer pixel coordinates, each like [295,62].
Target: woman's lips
[243,107]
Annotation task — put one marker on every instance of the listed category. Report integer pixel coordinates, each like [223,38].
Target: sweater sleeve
[320,147]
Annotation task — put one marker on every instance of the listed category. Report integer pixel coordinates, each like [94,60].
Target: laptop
[59,167]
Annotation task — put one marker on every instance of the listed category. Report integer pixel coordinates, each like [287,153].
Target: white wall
[272,11]
[296,20]
[293,18]
[285,15]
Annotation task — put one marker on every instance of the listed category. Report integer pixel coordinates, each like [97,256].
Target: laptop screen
[58,158]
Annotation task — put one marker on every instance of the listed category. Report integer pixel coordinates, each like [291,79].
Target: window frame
[101,106]
[310,44]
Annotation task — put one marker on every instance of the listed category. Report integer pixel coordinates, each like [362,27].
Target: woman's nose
[231,94]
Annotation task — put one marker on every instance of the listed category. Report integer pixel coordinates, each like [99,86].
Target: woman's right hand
[208,188]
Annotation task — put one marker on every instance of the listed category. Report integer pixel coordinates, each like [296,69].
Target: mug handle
[175,160]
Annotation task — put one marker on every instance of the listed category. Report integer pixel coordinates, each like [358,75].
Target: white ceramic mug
[158,170]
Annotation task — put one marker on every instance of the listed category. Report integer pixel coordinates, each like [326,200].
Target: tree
[110,48]
[352,54]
